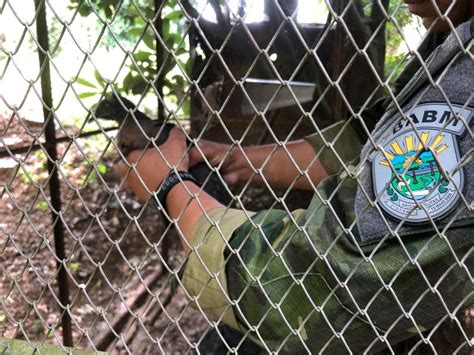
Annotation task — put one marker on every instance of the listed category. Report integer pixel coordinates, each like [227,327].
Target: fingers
[195,156]
[177,134]
[169,153]
[131,183]
[218,154]
[231,179]
[150,167]
[121,169]
[175,150]
[212,152]
[208,150]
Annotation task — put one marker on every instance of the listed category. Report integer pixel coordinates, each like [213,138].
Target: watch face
[415,173]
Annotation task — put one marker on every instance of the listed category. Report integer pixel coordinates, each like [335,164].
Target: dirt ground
[112,244]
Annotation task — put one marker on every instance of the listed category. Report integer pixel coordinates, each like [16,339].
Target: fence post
[54,185]
[160,57]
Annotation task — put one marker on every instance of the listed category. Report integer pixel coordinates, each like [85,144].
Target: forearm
[280,166]
[182,206]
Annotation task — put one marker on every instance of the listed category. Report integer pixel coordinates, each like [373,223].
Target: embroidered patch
[413,168]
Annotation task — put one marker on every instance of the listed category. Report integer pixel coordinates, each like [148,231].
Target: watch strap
[174,178]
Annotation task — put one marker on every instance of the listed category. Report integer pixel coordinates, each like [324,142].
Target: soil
[112,244]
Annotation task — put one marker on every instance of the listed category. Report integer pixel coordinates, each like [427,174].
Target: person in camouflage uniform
[384,250]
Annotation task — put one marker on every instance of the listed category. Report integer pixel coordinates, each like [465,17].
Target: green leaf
[85,10]
[180,51]
[42,205]
[135,32]
[102,168]
[85,95]
[139,86]
[174,15]
[108,12]
[99,79]
[187,66]
[74,266]
[169,66]
[165,28]
[149,11]
[84,82]
[142,56]
[179,79]
[186,108]
[149,40]
[128,82]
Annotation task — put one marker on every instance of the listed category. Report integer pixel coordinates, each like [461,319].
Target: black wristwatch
[173,179]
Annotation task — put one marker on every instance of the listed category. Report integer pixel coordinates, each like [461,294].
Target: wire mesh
[357,242]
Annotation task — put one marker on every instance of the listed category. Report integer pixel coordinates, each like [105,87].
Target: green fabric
[300,284]
[204,276]
[337,144]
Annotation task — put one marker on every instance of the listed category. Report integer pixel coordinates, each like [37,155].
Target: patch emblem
[411,170]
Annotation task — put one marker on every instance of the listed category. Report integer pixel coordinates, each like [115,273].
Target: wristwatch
[171,180]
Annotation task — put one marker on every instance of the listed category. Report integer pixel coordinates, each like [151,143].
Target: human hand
[278,166]
[457,11]
[153,167]
[217,153]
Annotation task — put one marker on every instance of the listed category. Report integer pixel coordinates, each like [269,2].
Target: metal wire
[117,269]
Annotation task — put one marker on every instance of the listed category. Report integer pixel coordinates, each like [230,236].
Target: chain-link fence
[331,144]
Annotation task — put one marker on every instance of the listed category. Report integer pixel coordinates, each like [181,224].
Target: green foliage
[129,25]
[42,205]
[97,88]
[74,266]
[86,8]
[89,177]
[35,172]
[393,65]
[401,17]
[102,168]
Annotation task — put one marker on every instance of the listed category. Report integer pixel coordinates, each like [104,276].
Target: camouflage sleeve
[204,275]
[303,283]
[337,144]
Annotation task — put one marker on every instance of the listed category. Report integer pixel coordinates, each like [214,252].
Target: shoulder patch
[415,173]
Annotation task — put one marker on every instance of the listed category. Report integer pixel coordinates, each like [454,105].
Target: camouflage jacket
[353,273]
